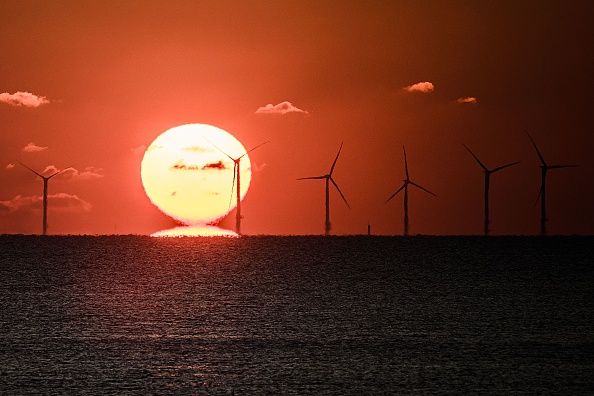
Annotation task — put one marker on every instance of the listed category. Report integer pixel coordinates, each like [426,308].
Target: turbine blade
[537,151]
[217,147]
[311,178]
[405,163]
[232,185]
[504,166]
[340,192]
[58,172]
[538,198]
[31,169]
[393,195]
[422,188]
[335,159]
[249,151]
[476,158]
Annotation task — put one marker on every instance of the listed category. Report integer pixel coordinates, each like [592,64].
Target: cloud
[90,172]
[424,87]
[9,166]
[258,168]
[469,99]
[281,108]
[198,149]
[60,201]
[25,99]
[152,147]
[138,150]
[33,148]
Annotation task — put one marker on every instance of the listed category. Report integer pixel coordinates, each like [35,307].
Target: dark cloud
[179,165]
[215,165]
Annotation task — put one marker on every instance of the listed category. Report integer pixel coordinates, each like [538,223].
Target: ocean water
[351,315]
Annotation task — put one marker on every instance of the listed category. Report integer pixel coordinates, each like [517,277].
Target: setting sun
[187,173]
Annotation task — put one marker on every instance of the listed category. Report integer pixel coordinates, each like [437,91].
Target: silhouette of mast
[45,182]
[328,178]
[488,173]
[542,193]
[404,187]
[236,174]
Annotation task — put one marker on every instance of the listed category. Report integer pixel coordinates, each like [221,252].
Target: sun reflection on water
[195,230]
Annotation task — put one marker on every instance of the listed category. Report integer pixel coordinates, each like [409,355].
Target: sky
[88,85]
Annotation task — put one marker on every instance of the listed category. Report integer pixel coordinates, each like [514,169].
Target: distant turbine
[45,180]
[236,173]
[405,187]
[488,173]
[541,194]
[329,179]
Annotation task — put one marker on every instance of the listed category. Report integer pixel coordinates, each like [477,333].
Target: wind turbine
[236,174]
[45,180]
[328,178]
[407,181]
[488,173]
[541,194]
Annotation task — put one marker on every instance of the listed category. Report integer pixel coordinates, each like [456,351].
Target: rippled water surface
[296,315]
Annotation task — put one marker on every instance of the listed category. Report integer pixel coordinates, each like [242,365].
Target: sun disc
[188,173]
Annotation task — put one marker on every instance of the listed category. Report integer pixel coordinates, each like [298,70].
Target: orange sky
[107,77]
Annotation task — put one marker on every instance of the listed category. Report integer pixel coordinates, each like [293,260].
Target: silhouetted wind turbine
[405,187]
[488,173]
[45,180]
[236,174]
[329,179]
[541,194]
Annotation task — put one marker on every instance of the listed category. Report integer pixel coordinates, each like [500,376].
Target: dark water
[296,315]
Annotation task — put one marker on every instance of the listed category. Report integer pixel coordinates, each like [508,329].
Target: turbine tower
[328,178]
[541,194]
[407,181]
[45,180]
[236,174]
[488,173]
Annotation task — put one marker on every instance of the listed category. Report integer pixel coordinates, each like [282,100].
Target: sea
[296,315]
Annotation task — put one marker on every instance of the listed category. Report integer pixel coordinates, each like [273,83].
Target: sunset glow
[89,85]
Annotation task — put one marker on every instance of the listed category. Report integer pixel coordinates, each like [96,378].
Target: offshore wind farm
[197,131]
[242,220]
